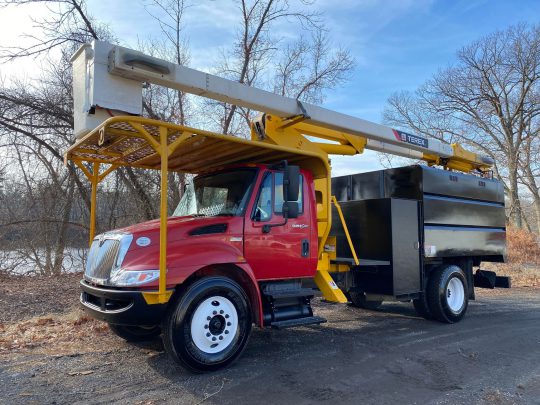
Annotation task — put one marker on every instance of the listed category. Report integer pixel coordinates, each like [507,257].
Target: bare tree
[529,173]
[69,25]
[35,129]
[304,69]
[160,102]
[488,100]
[308,68]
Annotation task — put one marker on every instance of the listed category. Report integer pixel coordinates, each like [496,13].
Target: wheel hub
[214,324]
[455,294]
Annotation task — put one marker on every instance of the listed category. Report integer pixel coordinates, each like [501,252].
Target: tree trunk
[132,181]
[60,247]
[537,211]
[515,205]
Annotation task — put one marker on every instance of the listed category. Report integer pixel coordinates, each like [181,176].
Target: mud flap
[489,279]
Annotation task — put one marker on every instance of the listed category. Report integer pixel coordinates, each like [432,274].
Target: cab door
[275,249]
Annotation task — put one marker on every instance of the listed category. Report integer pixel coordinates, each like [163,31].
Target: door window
[263,210]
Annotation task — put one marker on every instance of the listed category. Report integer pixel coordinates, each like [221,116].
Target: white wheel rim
[455,294]
[214,324]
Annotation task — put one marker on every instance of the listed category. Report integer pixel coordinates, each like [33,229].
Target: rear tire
[421,305]
[359,300]
[447,294]
[136,333]
[208,326]
[422,308]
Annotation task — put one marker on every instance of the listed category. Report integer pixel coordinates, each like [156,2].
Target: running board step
[309,320]
[290,293]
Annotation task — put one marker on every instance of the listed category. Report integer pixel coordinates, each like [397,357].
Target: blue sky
[398,44]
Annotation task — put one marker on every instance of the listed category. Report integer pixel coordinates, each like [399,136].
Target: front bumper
[120,307]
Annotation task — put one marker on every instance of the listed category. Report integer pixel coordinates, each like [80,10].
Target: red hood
[153,224]
[177,227]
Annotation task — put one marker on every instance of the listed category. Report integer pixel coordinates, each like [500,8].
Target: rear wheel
[447,294]
[421,307]
[209,325]
[359,300]
[136,333]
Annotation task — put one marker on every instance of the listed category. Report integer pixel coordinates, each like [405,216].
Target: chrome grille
[106,255]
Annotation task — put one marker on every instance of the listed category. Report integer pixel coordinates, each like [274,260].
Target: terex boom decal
[412,139]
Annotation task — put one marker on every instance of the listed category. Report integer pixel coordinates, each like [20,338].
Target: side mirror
[291,184]
[290,209]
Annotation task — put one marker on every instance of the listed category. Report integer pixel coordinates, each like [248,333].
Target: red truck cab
[222,234]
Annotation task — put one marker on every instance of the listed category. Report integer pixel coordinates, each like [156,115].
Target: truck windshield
[224,193]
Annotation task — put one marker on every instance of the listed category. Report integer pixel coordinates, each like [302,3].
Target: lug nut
[208,318]
[208,334]
[229,324]
[222,312]
[221,338]
[227,316]
[215,312]
[214,339]
[226,332]
[205,326]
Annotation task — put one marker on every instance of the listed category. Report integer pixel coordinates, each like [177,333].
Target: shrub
[523,247]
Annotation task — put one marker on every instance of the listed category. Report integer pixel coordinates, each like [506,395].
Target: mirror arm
[268,227]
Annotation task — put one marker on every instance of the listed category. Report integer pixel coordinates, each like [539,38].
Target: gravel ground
[51,353]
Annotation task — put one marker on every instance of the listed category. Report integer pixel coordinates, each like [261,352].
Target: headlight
[125,278]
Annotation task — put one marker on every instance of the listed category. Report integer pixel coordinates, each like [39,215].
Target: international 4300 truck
[262,216]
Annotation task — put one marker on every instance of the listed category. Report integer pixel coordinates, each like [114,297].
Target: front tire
[208,326]
[447,294]
[136,333]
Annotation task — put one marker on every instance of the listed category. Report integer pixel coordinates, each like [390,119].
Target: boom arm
[308,119]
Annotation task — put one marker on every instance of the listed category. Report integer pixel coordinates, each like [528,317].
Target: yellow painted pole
[94,181]
[327,201]
[163,215]
[351,246]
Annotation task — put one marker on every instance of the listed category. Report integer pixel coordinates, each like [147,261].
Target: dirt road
[382,357]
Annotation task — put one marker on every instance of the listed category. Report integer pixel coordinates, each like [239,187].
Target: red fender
[185,258]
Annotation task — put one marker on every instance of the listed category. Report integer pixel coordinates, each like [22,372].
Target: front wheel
[209,325]
[447,294]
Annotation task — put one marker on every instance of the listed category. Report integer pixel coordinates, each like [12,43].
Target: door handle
[305,248]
